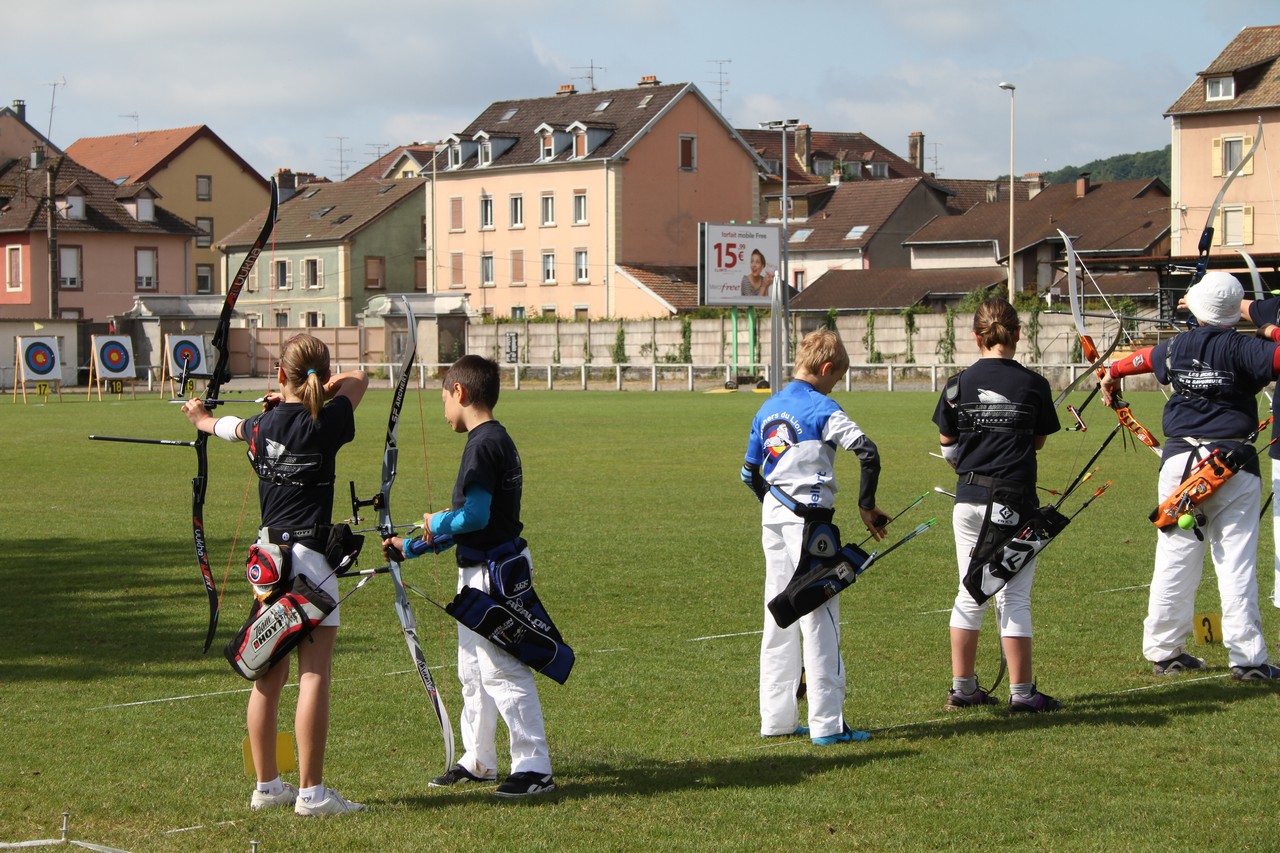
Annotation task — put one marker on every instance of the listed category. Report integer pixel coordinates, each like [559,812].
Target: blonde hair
[820,347]
[305,360]
[996,323]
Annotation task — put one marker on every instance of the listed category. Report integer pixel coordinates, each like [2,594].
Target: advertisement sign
[739,263]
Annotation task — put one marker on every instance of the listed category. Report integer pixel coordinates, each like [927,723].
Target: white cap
[1215,299]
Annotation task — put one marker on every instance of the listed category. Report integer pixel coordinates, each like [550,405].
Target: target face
[186,353]
[114,357]
[40,358]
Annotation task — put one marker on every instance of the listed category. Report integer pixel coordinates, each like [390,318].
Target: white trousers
[1231,537]
[813,641]
[495,684]
[1275,529]
[1013,601]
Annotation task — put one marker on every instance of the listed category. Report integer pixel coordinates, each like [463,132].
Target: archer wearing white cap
[1216,374]
[1265,314]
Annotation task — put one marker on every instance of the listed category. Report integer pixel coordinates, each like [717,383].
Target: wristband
[225,428]
[951,453]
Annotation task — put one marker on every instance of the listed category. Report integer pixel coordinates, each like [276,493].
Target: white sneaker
[331,803]
[261,800]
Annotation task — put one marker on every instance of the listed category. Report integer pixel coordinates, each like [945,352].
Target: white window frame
[313,273]
[548,147]
[548,266]
[12,261]
[70,282]
[580,207]
[486,269]
[486,213]
[278,266]
[211,273]
[313,319]
[547,209]
[72,207]
[455,156]
[142,281]
[692,141]
[146,209]
[1220,88]
[581,266]
[517,312]
[516,210]
[486,153]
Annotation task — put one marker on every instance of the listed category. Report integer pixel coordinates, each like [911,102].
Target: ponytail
[305,360]
[996,323]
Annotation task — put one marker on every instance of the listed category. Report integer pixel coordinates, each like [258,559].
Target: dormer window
[71,206]
[548,146]
[146,210]
[1219,88]
[486,153]
[580,145]
[455,156]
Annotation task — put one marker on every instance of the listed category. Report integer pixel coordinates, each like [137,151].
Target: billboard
[739,263]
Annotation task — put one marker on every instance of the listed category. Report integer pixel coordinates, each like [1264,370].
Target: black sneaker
[456,775]
[1257,672]
[526,784]
[957,700]
[1182,663]
[1036,703]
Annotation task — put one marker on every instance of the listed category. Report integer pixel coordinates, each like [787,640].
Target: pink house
[558,206]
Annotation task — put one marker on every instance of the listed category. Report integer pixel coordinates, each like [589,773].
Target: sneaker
[1182,663]
[459,774]
[801,731]
[331,803]
[847,736]
[262,800]
[1036,703]
[526,784]
[957,700]
[1257,672]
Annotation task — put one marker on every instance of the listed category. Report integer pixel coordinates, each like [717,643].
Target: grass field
[645,544]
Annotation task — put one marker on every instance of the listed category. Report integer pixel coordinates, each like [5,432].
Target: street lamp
[780,325]
[1009,87]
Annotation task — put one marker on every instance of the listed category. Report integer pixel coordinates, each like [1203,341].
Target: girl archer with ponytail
[293,445]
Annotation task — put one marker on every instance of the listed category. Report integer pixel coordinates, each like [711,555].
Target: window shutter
[1248,166]
[1217,228]
[320,273]
[1217,156]
[1246,225]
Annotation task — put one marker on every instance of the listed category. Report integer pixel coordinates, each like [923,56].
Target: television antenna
[721,82]
[52,97]
[591,68]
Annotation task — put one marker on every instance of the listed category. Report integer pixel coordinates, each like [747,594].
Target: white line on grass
[932,612]
[199,826]
[722,636]
[1124,588]
[1168,683]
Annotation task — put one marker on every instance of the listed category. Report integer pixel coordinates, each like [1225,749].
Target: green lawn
[644,544]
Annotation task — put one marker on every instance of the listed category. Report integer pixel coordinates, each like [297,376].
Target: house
[335,246]
[547,206]
[1215,123]
[404,161]
[200,178]
[18,137]
[110,241]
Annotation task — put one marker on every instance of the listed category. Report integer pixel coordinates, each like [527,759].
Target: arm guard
[752,479]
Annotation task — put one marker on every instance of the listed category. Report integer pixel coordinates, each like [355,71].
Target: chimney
[915,149]
[567,89]
[1082,185]
[649,80]
[20,107]
[286,184]
[804,146]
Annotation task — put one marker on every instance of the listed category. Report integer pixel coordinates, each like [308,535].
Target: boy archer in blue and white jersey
[790,466]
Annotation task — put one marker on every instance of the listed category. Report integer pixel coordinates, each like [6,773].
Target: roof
[620,116]
[848,206]
[327,212]
[378,169]
[966,192]
[1116,217]
[829,145]
[137,157]
[10,112]
[677,286]
[103,210]
[1251,59]
[890,289]
[1132,283]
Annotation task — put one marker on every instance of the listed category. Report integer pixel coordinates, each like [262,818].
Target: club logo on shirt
[778,437]
[1202,379]
[995,412]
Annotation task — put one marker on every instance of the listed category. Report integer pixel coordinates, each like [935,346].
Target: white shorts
[314,567]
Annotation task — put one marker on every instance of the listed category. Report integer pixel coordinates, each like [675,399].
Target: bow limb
[1259,290]
[382,502]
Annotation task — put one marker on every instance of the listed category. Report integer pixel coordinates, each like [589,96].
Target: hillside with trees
[1122,167]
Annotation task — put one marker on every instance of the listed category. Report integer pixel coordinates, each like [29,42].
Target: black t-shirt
[490,461]
[294,458]
[1216,374]
[1000,409]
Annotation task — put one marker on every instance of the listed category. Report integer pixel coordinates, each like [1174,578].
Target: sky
[325,86]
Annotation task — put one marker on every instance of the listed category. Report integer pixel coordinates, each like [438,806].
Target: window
[517,266]
[856,232]
[205,238]
[580,207]
[419,273]
[548,209]
[582,270]
[374,272]
[455,156]
[312,273]
[204,278]
[517,312]
[145,264]
[581,313]
[146,211]
[1219,88]
[688,153]
[486,153]
[69,269]
[204,188]
[281,275]
[548,267]
[486,269]
[548,147]
[580,146]
[282,319]
[800,235]
[879,170]
[486,211]
[13,268]
[517,211]
[823,167]
[455,267]
[1228,152]
[251,283]
[548,310]
[313,319]
[1232,150]
[1236,226]
[455,214]
[798,278]
[509,114]
[71,207]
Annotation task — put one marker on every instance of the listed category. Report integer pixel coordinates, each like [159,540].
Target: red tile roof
[1251,58]
[850,204]
[891,289]
[377,170]
[678,286]
[137,157]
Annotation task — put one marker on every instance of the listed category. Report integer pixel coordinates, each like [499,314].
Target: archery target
[39,358]
[113,356]
[186,350]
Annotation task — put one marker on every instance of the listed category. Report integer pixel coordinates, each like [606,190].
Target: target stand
[112,365]
[37,363]
[183,355]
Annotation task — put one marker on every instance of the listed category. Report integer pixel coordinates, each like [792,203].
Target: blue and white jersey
[794,439]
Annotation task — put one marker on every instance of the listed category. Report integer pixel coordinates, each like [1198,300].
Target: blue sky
[322,86]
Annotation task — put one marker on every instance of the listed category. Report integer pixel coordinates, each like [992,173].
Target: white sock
[965,685]
[272,788]
[309,794]
[1026,691]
